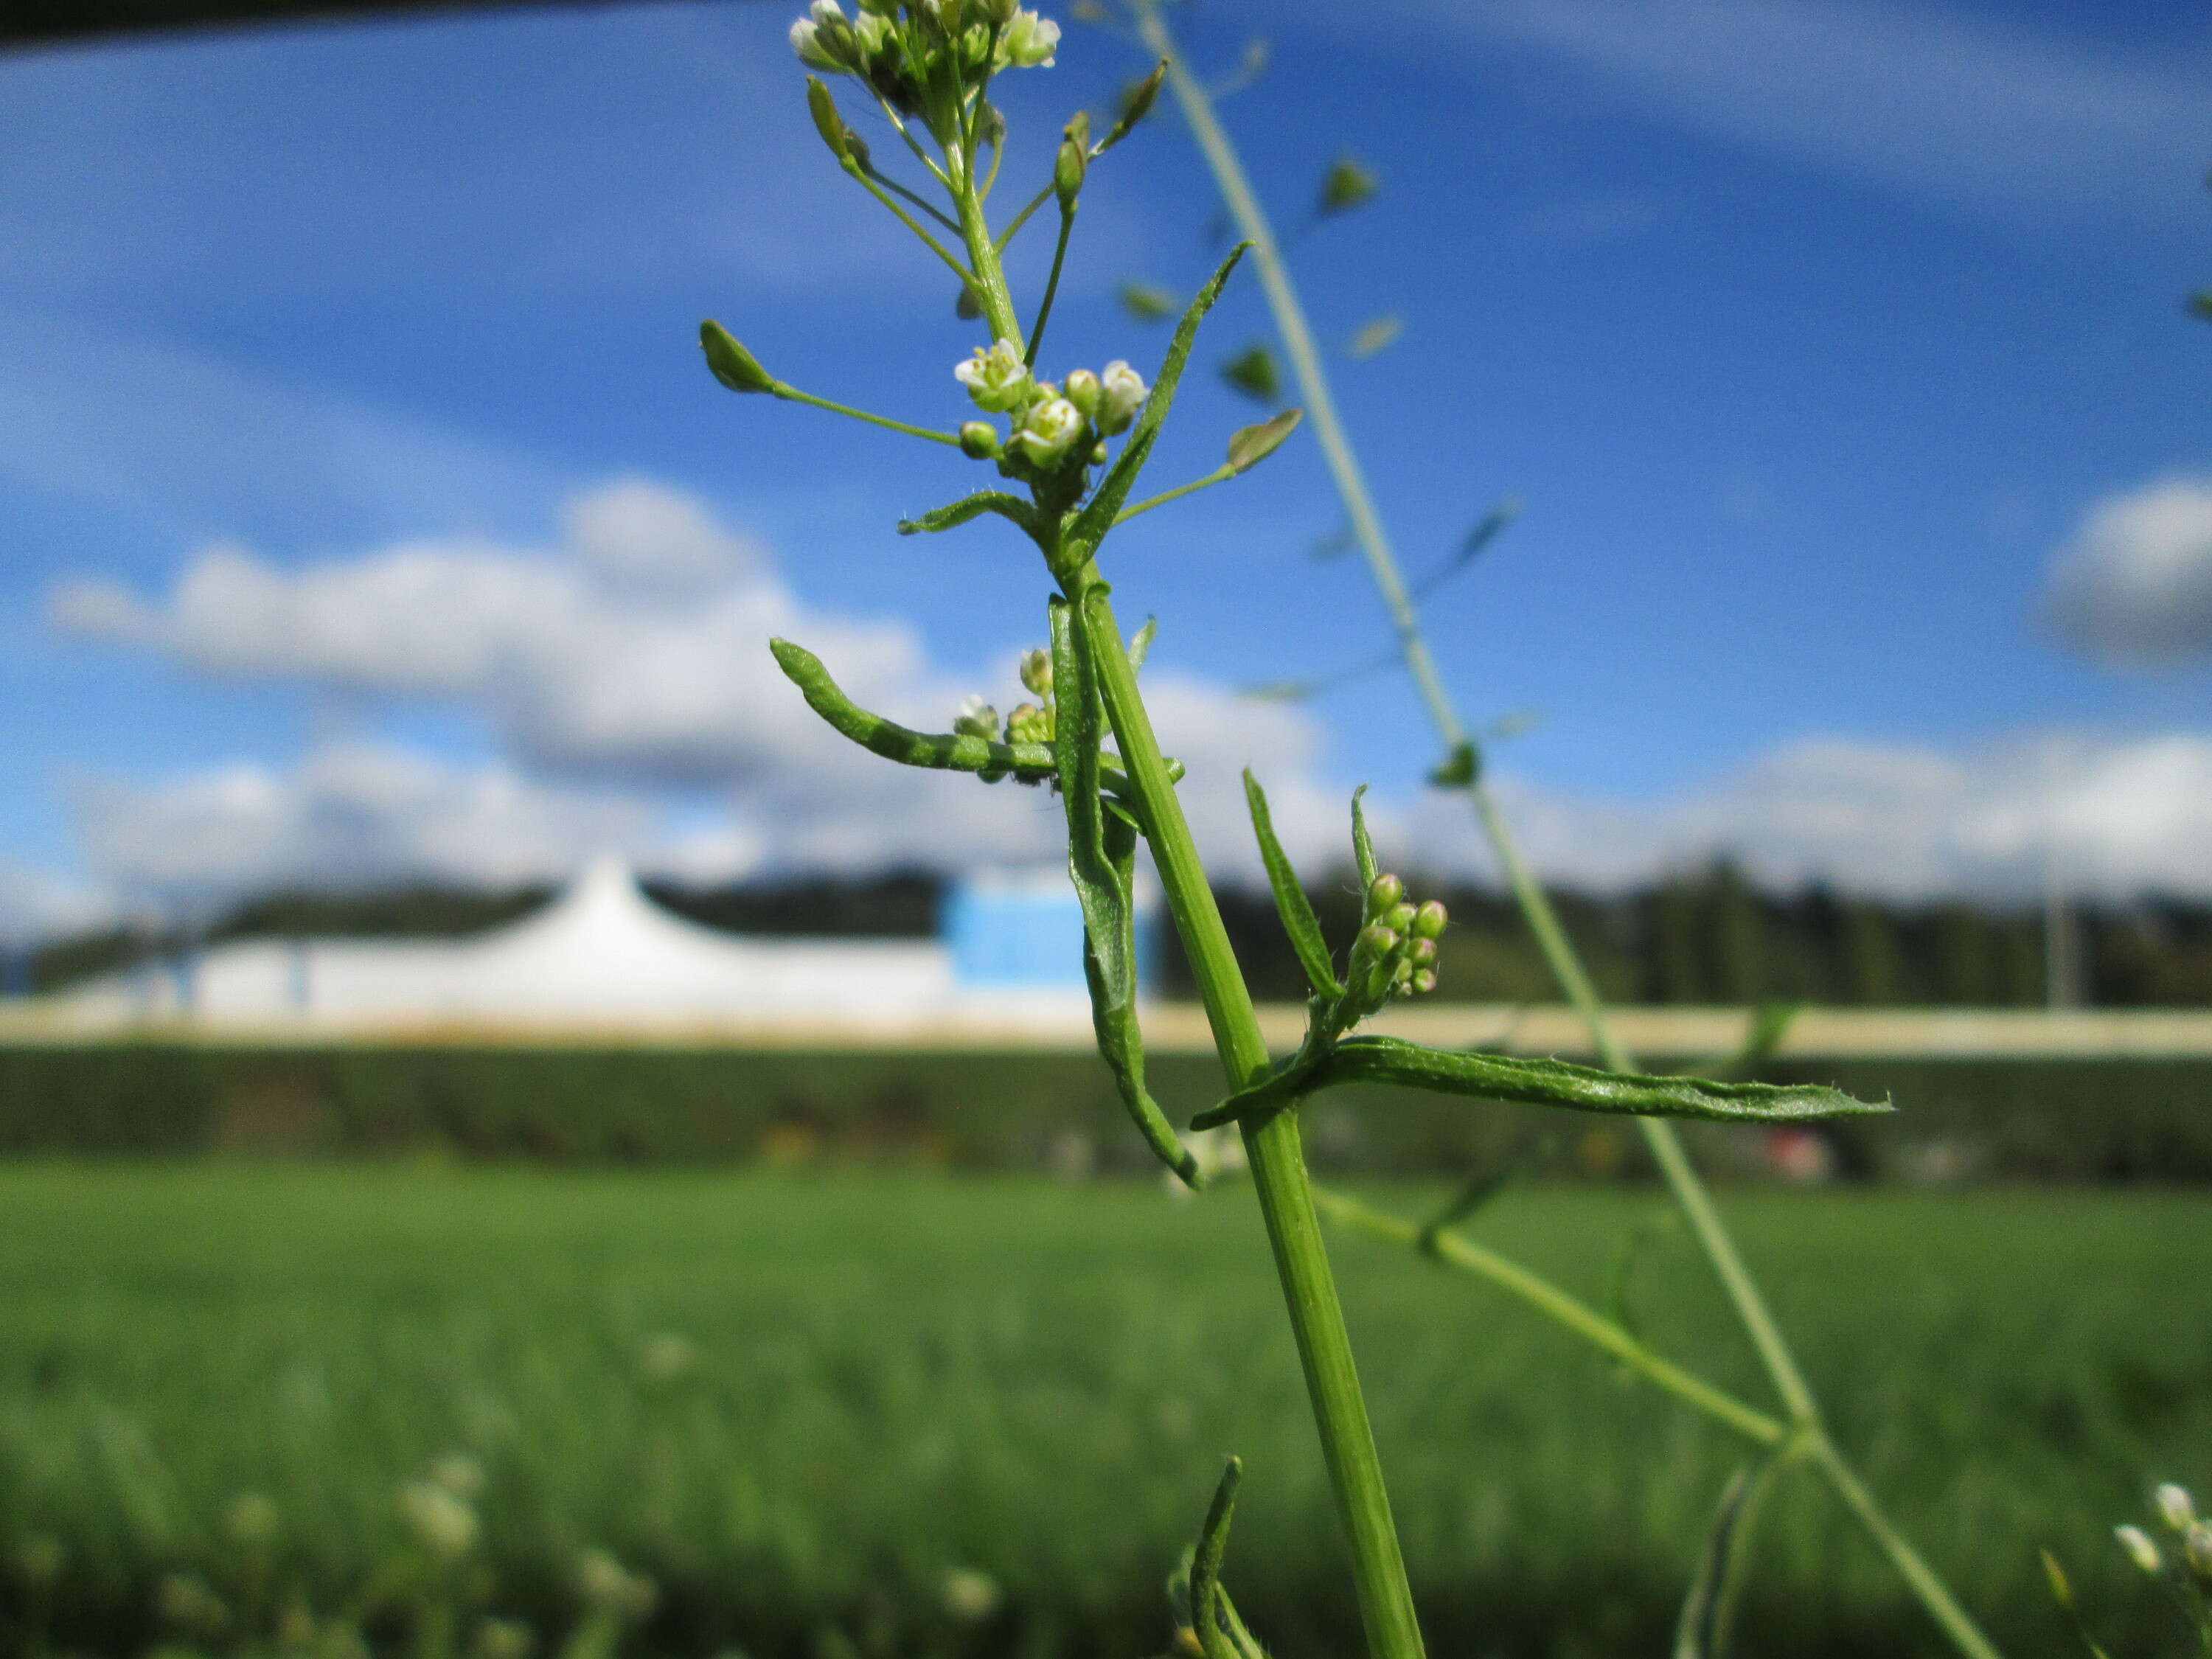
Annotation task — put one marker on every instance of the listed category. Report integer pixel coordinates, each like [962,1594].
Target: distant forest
[1708,939]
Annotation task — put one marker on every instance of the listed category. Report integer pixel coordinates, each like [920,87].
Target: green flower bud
[980,441]
[885,8]
[2141,1551]
[1429,921]
[993,13]
[1383,894]
[1425,980]
[733,366]
[1028,724]
[1072,162]
[1399,917]
[1137,101]
[1082,389]
[1121,395]
[1036,671]
[1375,941]
[996,379]
[977,719]
[827,122]
[1049,431]
[1422,953]
[807,40]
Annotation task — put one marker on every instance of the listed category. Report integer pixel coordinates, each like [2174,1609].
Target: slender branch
[1220,475]
[1456,1250]
[921,202]
[1934,1594]
[866,176]
[1023,217]
[913,144]
[1051,284]
[1666,1146]
[793,394]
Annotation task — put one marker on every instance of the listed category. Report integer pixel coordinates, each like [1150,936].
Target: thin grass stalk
[1688,1189]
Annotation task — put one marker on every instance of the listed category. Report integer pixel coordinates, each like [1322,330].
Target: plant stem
[793,394]
[1220,475]
[1666,1146]
[1276,1152]
[1274,1148]
[1458,1251]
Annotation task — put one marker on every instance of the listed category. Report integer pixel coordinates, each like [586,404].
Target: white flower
[826,11]
[806,42]
[977,719]
[1121,394]
[2141,1551]
[1050,431]
[997,379]
[1029,41]
[2174,1507]
[443,1523]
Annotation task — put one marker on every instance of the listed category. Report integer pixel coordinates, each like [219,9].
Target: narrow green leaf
[1363,848]
[1105,506]
[1290,902]
[1205,1566]
[1101,861]
[1583,1088]
[1140,644]
[1248,445]
[940,751]
[970,506]
[1701,1630]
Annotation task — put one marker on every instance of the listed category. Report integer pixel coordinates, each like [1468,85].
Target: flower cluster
[1050,422]
[1030,722]
[2179,1511]
[1395,953]
[899,50]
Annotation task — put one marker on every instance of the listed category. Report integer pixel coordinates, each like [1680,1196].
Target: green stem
[1957,1624]
[1051,283]
[867,181]
[1665,1146]
[1275,1150]
[1455,1250]
[793,394]
[1277,1155]
[1220,475]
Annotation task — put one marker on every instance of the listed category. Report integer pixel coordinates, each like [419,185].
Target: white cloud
[635,657]
[351,815]
[36,904]
[2134,585]
[1899,820]
[1957,110]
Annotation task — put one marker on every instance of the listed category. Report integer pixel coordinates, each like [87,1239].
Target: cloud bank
[2133,588]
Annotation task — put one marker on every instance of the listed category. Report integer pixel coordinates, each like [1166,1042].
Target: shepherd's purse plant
[1065,455]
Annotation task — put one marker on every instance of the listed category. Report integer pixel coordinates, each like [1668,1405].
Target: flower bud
[1422,953]
[443,1523]
[1121,394]
[1036,671]
[996,379]
[1071,162]
[1376,940]
[1429,921]
[2197,1546]
[871,38]
[1028,724]
[2174,1507]
[1049,431]
[885,8]
[733,366]
[993,14]
[980,440]
[1425,980]
[2141,1551]
[1383,894]
[1082,389]
[978,718]
[806,41]
[1399,917]
[1029,41]
[1137,101]
[827,122]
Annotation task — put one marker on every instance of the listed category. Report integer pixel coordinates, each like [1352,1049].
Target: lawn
[798,1402]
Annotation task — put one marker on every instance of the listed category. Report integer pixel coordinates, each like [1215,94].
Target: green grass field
[892,1378]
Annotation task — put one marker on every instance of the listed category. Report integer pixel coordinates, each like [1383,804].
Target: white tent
[601,952]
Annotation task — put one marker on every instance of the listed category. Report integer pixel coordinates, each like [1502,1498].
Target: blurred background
[405,837]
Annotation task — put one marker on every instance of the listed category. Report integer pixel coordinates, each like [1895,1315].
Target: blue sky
[1812,333]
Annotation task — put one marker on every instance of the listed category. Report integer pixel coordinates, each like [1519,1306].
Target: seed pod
[828,122]
[733,366]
